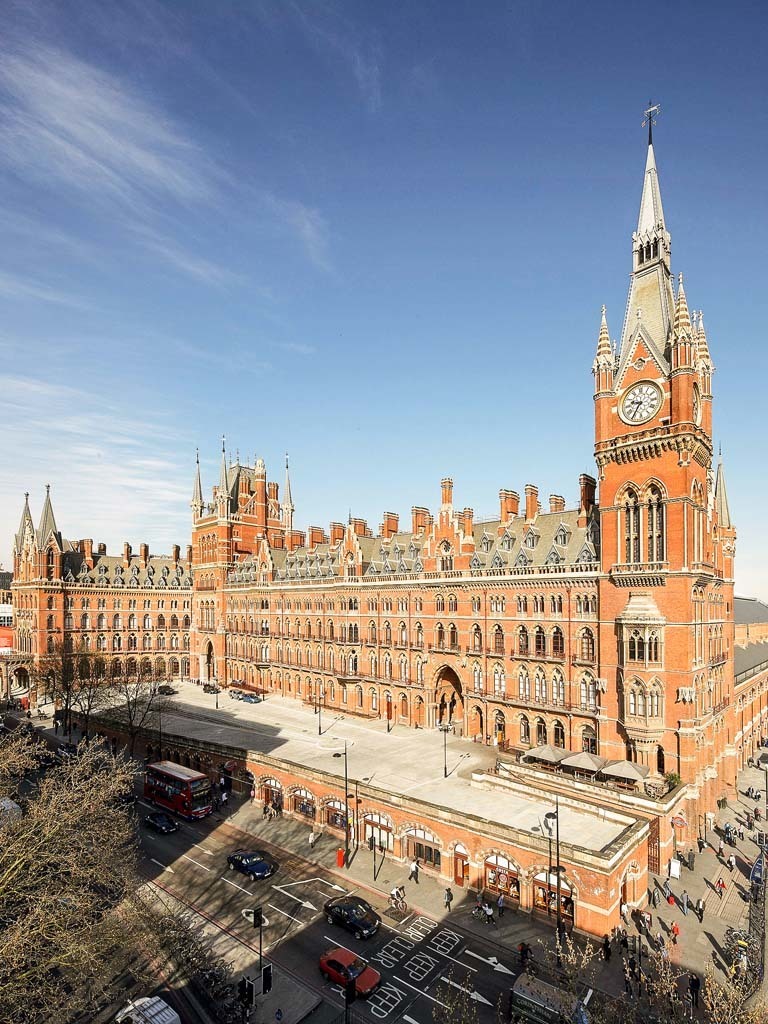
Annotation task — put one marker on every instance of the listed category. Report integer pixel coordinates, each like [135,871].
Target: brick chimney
[316,536]
[144,554]
[337,532]
[295,539]
[102,549]
[469,518]
[189,554]
[175,552]
[360,527]
[556,503]
[509,504]
[127,554]
[86,550]
[389,524]
[531,502]
[587,490]
[446,490]
[419,518]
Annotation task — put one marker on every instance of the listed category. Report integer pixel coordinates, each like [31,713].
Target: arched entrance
[500,729]
[210,663]
[449,697]
[476,722]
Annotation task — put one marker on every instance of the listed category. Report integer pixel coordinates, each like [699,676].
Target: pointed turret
[682,315]
[287,507]
[650,304]
[26,526]
[47,522]
[222,493]
[602,367]
[704,356]
[197,492]
[721,497]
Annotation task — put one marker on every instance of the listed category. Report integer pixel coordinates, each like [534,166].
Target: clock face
[641,402]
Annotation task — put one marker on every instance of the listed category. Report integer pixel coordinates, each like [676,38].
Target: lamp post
[445,729]
[346,809]
[548,819]
[319,711]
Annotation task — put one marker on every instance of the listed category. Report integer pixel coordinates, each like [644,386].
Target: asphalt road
[418,957]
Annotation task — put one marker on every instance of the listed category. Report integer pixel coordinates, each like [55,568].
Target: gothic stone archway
[449,697]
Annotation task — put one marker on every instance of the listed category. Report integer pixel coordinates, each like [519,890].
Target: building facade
[605,627]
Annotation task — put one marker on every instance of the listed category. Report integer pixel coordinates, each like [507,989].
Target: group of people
[272,810]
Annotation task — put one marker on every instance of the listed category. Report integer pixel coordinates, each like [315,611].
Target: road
[417,956]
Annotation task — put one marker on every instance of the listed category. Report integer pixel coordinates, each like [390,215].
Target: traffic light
[258,917]
[266,979]
[246,992]
[350,992]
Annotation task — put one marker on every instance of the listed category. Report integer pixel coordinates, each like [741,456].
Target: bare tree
[91,692]
[139,705]
[457,1005]
[56,676]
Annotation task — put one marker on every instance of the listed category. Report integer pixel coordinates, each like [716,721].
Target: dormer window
[561,537]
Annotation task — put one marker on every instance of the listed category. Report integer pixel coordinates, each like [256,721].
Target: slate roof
[6,578]
[160,573]
[747,660]
[748,610]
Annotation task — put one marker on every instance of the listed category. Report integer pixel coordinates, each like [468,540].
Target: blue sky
[377,236]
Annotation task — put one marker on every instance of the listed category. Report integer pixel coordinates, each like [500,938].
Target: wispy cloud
[306,224]
[296,346]
[12,286]
[70,122]
[197,267]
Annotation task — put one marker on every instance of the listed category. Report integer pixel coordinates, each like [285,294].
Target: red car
[342,965]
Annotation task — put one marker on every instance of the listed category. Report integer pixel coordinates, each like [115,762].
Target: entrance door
[460,868]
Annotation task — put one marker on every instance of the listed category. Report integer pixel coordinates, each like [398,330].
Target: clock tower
[666,586]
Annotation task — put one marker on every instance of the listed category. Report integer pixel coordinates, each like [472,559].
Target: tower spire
[223,489]
[721,495]
[197,492]
[25,524]
[682,315]
[288,508]
[47,521]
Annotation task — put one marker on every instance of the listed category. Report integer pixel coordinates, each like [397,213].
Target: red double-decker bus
[179,789]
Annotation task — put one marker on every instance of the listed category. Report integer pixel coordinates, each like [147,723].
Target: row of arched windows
[644,525]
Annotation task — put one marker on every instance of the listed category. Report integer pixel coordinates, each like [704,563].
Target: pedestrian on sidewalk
[667,889]
[312,839]
[632,964]
[720,887]
[624,942]
[684,901]
[265,810]
[700,906]
[659,941]
[741,833]
[688,1006]
[489,914]
[500,905]
[623,911]
[675,930]
[656,898]
[413,875]
[627,979]
[606,949]
[721,850]
[448,898]
[731,862]
[694,986]
[253,794]
[224,799]
[479,899]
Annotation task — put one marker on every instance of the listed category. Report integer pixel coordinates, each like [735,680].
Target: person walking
[224,799]
[720,887]
[632,964]
[606,949]
[731,862]
[265,811]
[741,833]
[312,839]
[675,930]
[624,942]
[700,906]
[721,849]
[448,898]
[667,889]
[623,911]
[694,987]
[253,794]
[500,905]
[413,874]
[684,902]
[489,914]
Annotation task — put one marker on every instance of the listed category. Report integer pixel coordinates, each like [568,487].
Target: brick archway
[449,697]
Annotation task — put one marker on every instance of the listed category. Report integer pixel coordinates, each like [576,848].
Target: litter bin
[691,860]
[340,857]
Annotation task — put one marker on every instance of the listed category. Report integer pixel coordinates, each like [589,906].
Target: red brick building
[606,627]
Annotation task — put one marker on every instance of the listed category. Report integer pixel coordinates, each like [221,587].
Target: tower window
[632,528]
[655,526]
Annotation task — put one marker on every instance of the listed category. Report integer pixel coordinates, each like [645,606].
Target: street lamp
[319,711]
[548,821]
[346,809]
[445,729]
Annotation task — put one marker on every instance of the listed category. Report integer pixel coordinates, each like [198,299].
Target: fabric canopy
[547,753]
[625,770]
[584,762]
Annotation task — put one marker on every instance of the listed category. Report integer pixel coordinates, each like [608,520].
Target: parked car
[66,751]
[166,690]
[354,914]
[127,799]
[159,821]
[211,688]
[250,698]
[256,864]
[341,965]
[235,694]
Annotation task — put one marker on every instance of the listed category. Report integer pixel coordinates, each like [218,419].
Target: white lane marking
[339,945]
[420,991]
[209,852]
[409,1019]
[408,918]
[225,879]
[163,866]
[466,967]
[298,899]
[472,993]
[323,881]
[184,855]
[491,960]
[298,920]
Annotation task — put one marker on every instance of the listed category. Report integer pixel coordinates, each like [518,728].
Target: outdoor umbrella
[625,770]
[584,762]
[547,753]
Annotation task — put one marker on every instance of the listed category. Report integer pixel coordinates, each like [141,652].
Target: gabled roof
[47,522]
[749,610]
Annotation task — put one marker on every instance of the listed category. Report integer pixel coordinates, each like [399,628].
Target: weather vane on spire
[649,118]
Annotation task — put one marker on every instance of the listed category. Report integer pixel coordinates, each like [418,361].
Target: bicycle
[478,913]
[397,903]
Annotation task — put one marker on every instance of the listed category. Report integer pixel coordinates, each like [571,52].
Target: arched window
[403,669]
[540,686]
[116,622]
[524,684]
[498,640]
[588,692]
[477,677]
[631,527]
[132,642]
[655,525]
[373,699]
[419,670]
[387,633]
[387,666]
[359,696]
[652,649]
[525,730]
[632,702]
[558,735]
[445,558]
[522,641]
[499,682]
[419,635]
[541,732]
[587,645]
[453,637]
[558,688]
[402,630]
[85,622]
[589,740]
[540,640]
[440,635]
[477,638]
[636,650]
[558,643]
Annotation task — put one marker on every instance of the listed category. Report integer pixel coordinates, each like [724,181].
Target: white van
[9,808]
[148,1010]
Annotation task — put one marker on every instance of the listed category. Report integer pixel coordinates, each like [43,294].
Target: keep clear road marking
[225,879]
[472,993]
[163,866]
[421,991]
[279,910]
[184,855]
[491,960]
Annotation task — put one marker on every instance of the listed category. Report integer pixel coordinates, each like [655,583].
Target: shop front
[424,846]
[335,816]
[378,827]
[303,803]
[272,792]
[501,877]
[545,892]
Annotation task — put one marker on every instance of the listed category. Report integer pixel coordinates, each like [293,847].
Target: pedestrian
[720,887]
[684,901]
[667,889]
[624,942]
[223,782]
[732,862]
[606,949]
[694,987]
[413,874]
[500,905]
[312,839]
[675,929]
[632,963]
[448,898]
[489,914]
[216,801]
[659,940]
[479,899]
[688,1006]
[253,793]
[224,798]
[623,911]
[700,909]
[741,833]
[265,810]
[627,979]
[721,849]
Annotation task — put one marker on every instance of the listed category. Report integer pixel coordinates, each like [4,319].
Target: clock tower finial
[649,118]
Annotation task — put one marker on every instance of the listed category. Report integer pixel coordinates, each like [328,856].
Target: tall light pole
[346,809]
[548,820]
[319,711]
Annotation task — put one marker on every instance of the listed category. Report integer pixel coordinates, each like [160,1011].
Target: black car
[166,690]
[354,914]
[253,863]
[161,822]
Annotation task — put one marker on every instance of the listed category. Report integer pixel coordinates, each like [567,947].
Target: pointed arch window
[525,730]
[632,527]
[558,735]
[499,682]
[477,638]
[524,684]
[522,641]
[477,677]
[655,525]
[558,643]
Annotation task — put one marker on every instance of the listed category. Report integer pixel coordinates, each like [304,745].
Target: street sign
[678,821]
[757,873]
